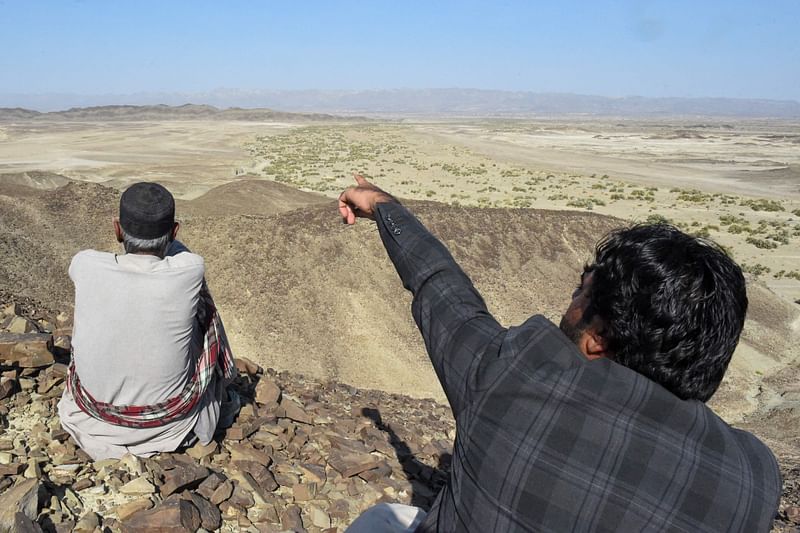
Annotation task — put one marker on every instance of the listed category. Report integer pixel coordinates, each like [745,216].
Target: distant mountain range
[426,102]
[162,112]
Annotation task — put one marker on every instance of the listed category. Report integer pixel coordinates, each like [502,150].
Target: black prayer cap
[147,211]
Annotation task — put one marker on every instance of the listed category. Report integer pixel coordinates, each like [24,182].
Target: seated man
[150,359]
[599,424]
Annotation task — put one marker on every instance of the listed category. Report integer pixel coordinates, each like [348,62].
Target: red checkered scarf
[215,359]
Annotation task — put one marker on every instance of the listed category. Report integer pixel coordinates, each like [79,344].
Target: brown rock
[313,473]
[18,324]
[231,511]
[12,469]
[304,492]
[222,492]
[185,476]
[173,516]
[82,484]
[267,391]
[351,464]
[198,451]
[127,510]
[28,350]
[258,475]
[245,452]
[139,485]
[291,519]
[348,445]
[339,509]
[793,514]
[7,386]
[241,498]
[319,517]
[242,430]
[246,366]
[87,523]
[210,484]
[21,498]
[23,524]
[383,471]
[294,411]
[210,517]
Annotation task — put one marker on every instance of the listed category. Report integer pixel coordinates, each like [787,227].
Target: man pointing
[600,423]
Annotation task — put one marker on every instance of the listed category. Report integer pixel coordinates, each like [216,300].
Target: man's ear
[175,229]
[595,345]
[117,229]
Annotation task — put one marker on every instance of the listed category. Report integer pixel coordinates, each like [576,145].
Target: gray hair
[157,246]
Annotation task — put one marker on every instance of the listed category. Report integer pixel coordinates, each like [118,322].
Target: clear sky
[731,48]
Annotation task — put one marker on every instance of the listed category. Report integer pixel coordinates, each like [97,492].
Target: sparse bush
[727,220]
[762,204]
[756,269]
[657,219]
[763,244]
[695,196]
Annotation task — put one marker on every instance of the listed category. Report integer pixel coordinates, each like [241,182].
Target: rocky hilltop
[303,455]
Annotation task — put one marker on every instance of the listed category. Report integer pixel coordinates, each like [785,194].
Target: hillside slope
[299,291]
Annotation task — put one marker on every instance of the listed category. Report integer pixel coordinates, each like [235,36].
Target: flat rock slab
[293,411]
[352,464]
[139,485]
[27,350]
[182,477]
[173,516]
[267,391]
[21,498]
[210,517]
[126,510]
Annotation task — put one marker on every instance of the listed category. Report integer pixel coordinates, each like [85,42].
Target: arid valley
[520,203]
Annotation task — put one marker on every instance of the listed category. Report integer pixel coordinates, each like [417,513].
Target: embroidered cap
[146,211]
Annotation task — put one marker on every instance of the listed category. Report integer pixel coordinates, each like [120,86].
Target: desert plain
[520,202]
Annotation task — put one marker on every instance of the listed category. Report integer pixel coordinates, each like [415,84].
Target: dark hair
[672,306]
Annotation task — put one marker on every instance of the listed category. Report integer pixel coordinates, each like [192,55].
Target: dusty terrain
[519,203]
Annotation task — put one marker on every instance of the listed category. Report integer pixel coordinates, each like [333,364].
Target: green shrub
[763,244]
[756,269]
[657,219]
[762,204]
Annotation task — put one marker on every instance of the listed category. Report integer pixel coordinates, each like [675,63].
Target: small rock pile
[302,455]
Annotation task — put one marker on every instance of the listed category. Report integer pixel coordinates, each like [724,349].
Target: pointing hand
[360,200]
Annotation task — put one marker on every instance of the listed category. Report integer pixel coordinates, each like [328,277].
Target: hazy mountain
[437,102]
[160,112]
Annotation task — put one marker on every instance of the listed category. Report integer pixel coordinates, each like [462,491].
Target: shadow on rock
[426,481]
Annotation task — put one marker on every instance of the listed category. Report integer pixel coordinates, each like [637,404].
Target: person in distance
[599,423]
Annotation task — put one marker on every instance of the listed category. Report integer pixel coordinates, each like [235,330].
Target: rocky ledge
[302,455]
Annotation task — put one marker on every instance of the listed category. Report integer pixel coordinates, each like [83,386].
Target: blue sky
[748,49]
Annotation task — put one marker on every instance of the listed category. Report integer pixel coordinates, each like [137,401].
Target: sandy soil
[190,157]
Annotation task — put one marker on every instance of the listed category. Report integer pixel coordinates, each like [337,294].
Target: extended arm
[451,315]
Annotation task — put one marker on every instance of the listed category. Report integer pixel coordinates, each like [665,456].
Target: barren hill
[248,197]
[161,112]
[300,291]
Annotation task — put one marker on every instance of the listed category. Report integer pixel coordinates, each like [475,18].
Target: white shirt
[135,342]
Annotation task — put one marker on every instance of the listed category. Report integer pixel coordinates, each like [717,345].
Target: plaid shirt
[550,441]
[215,361]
